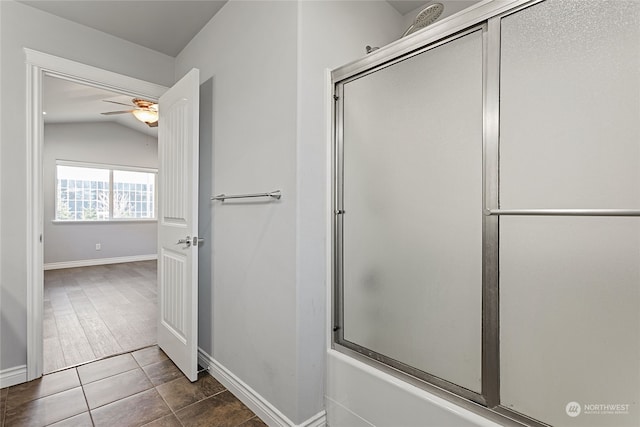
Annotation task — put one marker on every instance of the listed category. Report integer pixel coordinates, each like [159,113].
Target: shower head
[426,17]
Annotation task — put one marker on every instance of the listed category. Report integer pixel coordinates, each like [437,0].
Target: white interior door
[178,224]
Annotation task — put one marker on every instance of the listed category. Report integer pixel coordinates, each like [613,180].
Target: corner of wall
[254,401]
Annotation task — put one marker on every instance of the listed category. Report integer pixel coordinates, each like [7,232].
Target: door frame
[41,64]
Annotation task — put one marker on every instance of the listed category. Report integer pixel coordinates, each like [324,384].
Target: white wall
[264,89]
[248,317]
[23,26]
[107,143]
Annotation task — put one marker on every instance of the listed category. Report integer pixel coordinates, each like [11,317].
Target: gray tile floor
[95,312]
[131,389]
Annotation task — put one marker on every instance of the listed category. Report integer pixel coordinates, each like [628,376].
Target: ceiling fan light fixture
[145,111]
[146,116]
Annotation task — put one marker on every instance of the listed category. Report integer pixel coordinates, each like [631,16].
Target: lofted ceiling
[69,102]
[165,26]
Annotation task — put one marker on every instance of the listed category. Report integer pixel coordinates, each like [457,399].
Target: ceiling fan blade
[116,102]
[110,113]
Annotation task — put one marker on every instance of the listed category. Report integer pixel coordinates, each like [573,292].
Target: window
[133,194]
[90,192]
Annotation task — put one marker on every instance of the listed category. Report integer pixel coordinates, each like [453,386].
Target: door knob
[195,241]
[186,242]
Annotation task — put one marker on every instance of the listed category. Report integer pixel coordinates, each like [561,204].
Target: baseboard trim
[13,376]
[98,261]
[258,404]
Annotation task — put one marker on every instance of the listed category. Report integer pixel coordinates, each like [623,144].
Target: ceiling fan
[145,111]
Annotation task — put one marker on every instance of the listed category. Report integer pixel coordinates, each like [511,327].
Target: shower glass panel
[570,318]
[570,106]
[570,139]
[412,228]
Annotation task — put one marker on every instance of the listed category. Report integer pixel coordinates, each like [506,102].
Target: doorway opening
[39,67]
[177,222]
[99,180]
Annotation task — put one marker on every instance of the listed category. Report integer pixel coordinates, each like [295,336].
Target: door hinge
[336,97]
[336,328]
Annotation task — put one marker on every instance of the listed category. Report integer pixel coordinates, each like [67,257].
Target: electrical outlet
[98,246]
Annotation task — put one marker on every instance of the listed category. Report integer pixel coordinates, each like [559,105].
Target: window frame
[111,168]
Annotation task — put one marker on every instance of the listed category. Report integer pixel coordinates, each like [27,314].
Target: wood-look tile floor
[95,312]
[142,388]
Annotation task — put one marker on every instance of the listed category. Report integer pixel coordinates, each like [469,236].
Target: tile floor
[133,389]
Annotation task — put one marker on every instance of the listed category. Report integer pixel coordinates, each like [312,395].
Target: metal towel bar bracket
[222,197]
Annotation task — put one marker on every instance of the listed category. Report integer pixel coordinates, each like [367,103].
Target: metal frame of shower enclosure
[485,17]
[339,211]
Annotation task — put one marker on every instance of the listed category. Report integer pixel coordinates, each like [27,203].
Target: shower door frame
[339,333]
[484,17]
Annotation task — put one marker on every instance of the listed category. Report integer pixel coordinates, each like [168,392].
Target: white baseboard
[13,376]
[98,261]
[254,401]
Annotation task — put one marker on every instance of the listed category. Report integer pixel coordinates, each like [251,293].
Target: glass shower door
[411,232]
[570,143]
